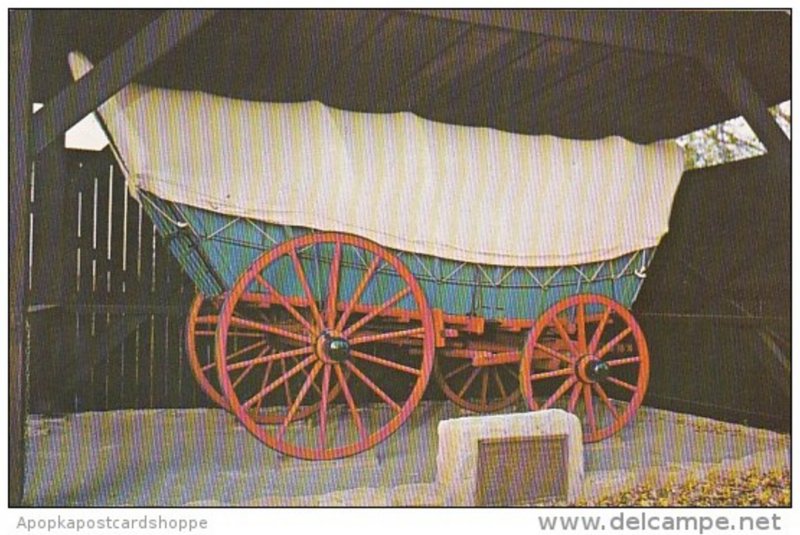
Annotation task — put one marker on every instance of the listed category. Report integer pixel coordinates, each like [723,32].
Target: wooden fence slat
[122,343]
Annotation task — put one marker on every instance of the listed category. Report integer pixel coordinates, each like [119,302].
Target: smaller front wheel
[588,355]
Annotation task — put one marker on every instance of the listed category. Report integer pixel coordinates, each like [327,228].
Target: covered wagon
[344,259]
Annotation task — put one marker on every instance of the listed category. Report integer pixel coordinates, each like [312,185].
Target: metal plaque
[516,471]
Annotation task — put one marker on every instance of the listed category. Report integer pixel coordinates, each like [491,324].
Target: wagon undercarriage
[329,325]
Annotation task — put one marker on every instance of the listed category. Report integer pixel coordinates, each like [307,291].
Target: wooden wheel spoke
[387,336]
[263,358]
[623,384]
[484,386]
[372,386]
[204,333]
[323,406]
[553,353]
[301,275]
[599,331]
[287,391]
[511,373]
[500,385]
[614,341]
[264,383]
[581,320]
[333,286]
[562,332]
[378,310]
[271,329]
[280,381]
[469,382]
[211,320]
[573,398]
[362,285]
[560,392]
[243,375]
[384,362]
[248,369]
[285,302]
[298,400]
[458,370]
[604,397]
[351,404]
[623,362]
[235,354]
[554,373]
[589,402]
[314,384]
[237,334]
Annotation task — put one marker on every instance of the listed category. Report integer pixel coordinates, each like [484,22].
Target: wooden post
[745,98]
[114,72]
[49,369]
[19,116]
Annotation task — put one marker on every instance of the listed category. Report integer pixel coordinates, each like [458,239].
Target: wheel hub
[593,370]
[598,370]
[332,347]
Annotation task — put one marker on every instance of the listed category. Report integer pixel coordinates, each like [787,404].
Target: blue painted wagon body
[214,249]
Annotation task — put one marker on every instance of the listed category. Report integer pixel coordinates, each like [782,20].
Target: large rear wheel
[338,312]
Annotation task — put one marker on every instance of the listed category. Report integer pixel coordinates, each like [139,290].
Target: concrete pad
[457,460]
[203,457]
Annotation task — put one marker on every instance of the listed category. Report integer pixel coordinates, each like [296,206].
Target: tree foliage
[729,141]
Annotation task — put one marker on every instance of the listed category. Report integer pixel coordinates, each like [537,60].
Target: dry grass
[750,489]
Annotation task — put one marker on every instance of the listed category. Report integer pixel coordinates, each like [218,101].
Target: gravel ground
[203,457]
[748,489]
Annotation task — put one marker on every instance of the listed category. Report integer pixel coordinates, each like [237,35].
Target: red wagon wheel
[343,306]
[477,388]
[201,325]
[601,376]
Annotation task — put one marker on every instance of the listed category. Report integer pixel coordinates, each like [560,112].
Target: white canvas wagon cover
[465,193]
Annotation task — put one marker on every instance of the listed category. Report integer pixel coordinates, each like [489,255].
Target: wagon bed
[331,265]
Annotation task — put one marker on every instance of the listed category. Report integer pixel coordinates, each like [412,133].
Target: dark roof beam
[425,74]
[347,55]
[301,85]
[610,95]
[77,100]
[546,95]
[621,28]
[492,46]
[743,96]
[683,33]
[519,54]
